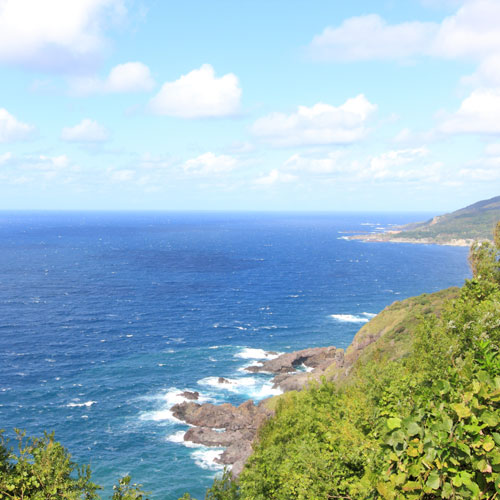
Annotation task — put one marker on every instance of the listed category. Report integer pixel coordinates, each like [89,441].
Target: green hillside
[475,222]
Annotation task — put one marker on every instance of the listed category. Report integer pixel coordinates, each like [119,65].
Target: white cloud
[124,175]
[210,164]
[472,32]
[275,176]
[478,113]
[493,149]
[127,77]
[396,158]
[11,129]
[487,74]
[61,161]
[319,124]
[54,34]
[86,131]
[4,158]
[328,164]
[371,38]
[199,94]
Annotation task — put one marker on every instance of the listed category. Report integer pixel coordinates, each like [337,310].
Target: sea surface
[106,317]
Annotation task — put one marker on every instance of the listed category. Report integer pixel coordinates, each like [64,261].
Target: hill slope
[462,227]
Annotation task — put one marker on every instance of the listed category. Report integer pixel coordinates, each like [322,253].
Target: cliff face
[388,334]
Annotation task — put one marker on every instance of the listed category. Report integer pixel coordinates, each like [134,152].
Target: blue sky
[249,105]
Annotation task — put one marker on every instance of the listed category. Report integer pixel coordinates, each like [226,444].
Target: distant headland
[459,228]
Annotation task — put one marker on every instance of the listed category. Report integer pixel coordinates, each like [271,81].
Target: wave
[78,405]
[205,458]
[178,438]
[251,387]
[170,398]
[352,318]
[251,353]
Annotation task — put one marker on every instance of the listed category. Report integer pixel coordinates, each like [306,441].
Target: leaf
[413,429]
[490,418]
[433,481]
[488,444]
[461,410]
[393,423]
[447,491]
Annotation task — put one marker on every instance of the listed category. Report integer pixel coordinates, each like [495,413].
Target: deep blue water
[106,317]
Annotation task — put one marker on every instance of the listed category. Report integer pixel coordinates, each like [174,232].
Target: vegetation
[474,222]
[41,469]
[417,417]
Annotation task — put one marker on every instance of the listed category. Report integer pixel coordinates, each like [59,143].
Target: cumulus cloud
[472,32]
[389,165]
[127,77]
[123,175]
[210,164]
[478,113]
[328,164]
[87,131]
[319,124]
[5,157]
[371,38]
[275,176]
[199,94]
[487,74]
[11,129]
[54,34]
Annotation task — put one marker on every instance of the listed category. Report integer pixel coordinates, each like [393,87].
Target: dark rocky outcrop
[233,427]
[288,378]
[314,357]
[192,395]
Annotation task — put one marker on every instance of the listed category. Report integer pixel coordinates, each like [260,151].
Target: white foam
[369,315]
[205,458]
[78,405]
[250,386]
[174,396]
[160,415]
[349,318]
[170,398]
[178,437]
[250,353]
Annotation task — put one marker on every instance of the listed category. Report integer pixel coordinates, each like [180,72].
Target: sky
[322,105]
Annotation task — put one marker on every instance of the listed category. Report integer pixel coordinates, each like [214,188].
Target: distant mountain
[462,227]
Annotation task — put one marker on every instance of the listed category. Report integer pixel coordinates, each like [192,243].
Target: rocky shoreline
[235,427]
[390,237]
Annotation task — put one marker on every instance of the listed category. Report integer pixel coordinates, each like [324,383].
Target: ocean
[107,317]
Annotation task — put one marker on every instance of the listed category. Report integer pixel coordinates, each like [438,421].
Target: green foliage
[126,491]
[42,469]
[223,488]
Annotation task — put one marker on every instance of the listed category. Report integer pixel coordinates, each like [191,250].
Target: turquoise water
[106,317]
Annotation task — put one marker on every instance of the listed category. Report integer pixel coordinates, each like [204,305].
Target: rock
[222,380]
[293,382]
[233,427]
[227,416]
[193,395]
[316,357]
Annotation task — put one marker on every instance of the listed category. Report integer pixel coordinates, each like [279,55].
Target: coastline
[388,238]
